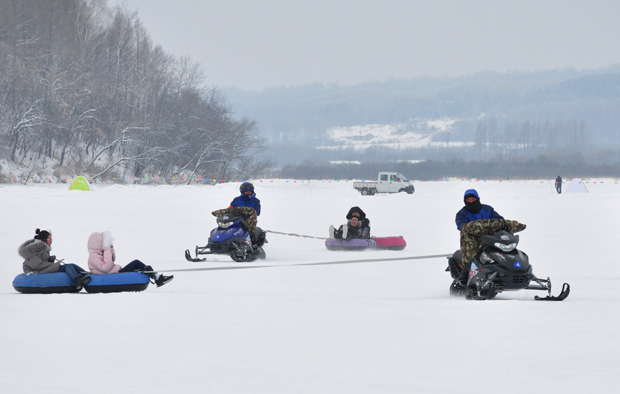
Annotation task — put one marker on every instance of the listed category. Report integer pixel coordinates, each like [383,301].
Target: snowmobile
[499,267]
[232,239]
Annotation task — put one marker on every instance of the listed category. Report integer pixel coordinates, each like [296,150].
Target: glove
[51,259]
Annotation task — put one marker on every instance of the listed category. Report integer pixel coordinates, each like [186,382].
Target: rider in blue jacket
[247,198]
[474,210]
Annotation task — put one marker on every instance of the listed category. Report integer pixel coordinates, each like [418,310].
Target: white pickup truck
[387,182]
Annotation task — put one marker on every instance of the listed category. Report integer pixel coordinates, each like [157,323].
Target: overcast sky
[255,44]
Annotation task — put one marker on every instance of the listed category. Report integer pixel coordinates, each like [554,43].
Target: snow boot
[332,232]
[81,281]
[163,279]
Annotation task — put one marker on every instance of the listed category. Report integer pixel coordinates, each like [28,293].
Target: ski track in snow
[373,327]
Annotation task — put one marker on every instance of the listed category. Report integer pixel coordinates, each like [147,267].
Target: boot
[81,281]
[454,269]
[332,232]
[163,279]
[345,231]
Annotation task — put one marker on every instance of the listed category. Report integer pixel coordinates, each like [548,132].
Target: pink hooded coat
[101,254]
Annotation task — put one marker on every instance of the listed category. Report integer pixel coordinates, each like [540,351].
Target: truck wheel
[364,192]
[402,190]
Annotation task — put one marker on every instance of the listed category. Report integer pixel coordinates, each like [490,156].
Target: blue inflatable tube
[57,282]
[116,283]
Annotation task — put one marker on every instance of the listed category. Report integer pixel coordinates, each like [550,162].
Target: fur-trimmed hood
[361,213]
[36,254]
[33,247]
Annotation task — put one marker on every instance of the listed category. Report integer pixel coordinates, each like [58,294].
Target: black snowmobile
[499,267]
[230,238]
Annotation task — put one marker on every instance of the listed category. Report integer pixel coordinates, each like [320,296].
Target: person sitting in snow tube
[357,226]
[102,256]
[36,253]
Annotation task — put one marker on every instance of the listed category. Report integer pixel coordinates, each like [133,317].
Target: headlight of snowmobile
[226,225]
[504,247]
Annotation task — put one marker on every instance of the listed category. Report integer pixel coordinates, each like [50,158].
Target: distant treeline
[83,87]
[540,167]
[525,112]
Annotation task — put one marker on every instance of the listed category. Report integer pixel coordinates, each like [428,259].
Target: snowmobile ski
[561,297]
[189,257]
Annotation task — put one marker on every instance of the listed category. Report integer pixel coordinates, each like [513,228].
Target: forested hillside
[511,115]
[83,89]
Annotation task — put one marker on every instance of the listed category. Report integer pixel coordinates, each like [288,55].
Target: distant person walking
[558,184]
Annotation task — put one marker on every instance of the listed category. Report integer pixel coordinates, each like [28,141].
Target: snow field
[374,327]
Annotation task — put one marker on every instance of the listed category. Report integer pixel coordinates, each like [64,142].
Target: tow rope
[239,267]
[293,235]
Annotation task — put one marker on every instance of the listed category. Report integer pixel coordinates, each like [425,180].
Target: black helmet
[245,186]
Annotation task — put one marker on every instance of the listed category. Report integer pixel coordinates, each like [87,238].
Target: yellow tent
[80,183]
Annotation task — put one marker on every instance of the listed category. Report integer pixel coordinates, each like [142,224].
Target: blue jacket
[464,216]
[247,201]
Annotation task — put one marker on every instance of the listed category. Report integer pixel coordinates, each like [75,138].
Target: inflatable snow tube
[389,243]
[116,283]
[56,282]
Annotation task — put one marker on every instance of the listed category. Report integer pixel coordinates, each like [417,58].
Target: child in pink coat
[101,257]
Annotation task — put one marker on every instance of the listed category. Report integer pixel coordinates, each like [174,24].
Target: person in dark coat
[247,198]
[357,226]
[558,184]
[474,210]
[37,259]
[240,207]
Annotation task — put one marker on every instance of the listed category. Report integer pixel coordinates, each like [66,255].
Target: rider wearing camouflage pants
[249,220]
[471,243]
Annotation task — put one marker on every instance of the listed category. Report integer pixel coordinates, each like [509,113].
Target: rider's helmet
[246,186]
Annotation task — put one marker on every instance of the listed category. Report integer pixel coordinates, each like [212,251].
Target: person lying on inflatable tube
[357,226]
[36,253]
[102,257]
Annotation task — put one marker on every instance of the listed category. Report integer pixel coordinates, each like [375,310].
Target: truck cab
[393,182]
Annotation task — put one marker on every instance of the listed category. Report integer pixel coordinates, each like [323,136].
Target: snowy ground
[380,327]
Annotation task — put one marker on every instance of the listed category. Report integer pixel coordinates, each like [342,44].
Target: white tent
[576,186]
